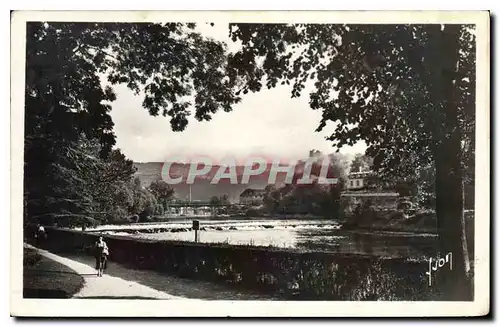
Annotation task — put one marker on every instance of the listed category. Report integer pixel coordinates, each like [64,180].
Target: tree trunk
[451,223]
[455,284]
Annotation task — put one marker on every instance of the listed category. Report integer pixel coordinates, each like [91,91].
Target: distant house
[360,188]
[252,196]
[358,180]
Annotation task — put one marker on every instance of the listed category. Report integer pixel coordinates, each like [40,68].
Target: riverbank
[240,217]
[392,228]
[395,221]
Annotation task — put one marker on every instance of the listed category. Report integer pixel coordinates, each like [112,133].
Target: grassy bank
[396,221]
[45,278]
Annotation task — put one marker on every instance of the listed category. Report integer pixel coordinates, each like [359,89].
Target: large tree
[80,187]
[361,162]
[406,90]
[161,190]
[70,71]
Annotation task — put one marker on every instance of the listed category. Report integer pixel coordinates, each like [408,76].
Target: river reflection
[389,244]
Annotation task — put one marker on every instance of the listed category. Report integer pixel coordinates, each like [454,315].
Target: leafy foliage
[219,200]
[361,162]
[161,190]
[145,203]
[86,189]
[68,104]
[378,83]
[408,91]
[313,198]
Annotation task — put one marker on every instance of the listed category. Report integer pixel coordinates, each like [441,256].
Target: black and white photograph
[317,163]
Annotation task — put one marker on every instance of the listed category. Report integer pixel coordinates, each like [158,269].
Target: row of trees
[79,187]
[219,200]
[314,198]
[72,173]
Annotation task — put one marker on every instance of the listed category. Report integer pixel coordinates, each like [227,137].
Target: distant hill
[148,172]
[201,189]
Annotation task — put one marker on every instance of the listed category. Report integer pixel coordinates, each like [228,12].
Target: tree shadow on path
[175,286]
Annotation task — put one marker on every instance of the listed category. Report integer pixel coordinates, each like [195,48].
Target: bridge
[199,204]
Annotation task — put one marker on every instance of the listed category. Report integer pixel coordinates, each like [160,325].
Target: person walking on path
[40,235]
[101,256]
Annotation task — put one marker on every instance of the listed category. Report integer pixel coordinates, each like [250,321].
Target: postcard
[242,164]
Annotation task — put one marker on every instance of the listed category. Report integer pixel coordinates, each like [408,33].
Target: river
[303,234]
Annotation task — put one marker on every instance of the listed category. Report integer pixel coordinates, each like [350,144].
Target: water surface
[322,235]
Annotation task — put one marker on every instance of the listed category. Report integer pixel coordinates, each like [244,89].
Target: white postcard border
[174,308]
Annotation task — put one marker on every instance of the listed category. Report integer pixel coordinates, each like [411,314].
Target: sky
[268,123]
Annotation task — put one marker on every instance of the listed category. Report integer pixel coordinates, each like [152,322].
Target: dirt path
[120,282]
[107,286]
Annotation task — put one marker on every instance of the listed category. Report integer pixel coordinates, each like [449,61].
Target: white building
[357,180]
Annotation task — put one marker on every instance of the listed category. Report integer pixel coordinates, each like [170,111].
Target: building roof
[360,174]
[252,192]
